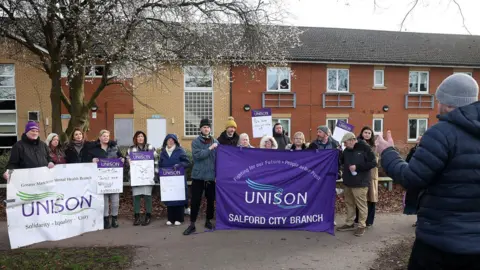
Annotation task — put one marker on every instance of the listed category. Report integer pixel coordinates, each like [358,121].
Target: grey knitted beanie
[323,128]
[457,90]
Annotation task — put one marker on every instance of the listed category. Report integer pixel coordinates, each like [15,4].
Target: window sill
[279,91]
[419,94]
[189,138]
[379,88]
[337,92]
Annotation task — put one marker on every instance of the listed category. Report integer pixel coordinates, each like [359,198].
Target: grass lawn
[68,258]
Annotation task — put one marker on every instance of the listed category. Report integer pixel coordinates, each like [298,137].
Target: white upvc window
[337,80]
[332,123]
[377,126]
[279,79]
[8,107]
[198,98]
[418,82]
[378,78]
[95,71]
[285,122]
[416,128]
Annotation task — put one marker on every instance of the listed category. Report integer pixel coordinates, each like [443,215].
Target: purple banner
[344,125]
[110,163]
[262,112]
[141,155]
[265,189]
[171,171]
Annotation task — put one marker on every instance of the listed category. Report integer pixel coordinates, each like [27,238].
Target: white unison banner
[53,204]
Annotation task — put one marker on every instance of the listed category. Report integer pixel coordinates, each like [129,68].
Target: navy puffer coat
[447,165]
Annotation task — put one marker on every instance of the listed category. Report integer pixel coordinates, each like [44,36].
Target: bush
[3,161]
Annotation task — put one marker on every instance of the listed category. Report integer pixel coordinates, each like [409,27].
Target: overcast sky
[430,16]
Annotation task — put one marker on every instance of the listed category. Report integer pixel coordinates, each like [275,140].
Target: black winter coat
[72,156]
[27,154]
[363,157]
[96,151]
[447,165]
[223,139]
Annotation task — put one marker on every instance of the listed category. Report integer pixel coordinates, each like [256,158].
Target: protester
[367,135]
[140,145]
[280,136]
[105,148]
[298,142]
[410,199]
[78,147]
[324,141]
[358,160]
[203,175]
[268,142]
[29,152]
[174,156]
[447,166]
[55,149]
[229,136]
[244,141]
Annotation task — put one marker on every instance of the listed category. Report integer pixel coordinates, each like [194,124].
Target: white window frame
[289,120]
[198,90]
[336,120]
[64,72]
[381,125]
[417,131]
[15,124]
[418,82]
[348,79]
[375,78]
[287,69]
[464,72]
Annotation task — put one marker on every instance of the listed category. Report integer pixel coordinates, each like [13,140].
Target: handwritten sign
[172,184]
[341,129]
[110,176]
[142,169]
[262,123]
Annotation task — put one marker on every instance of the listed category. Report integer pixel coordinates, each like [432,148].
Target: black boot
[106,223]
[148,218]
[191,229]
[114,222]
[137,220]
[208,225]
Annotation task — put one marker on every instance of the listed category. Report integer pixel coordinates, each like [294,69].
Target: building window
[464,72]
[198,98]
[8,110]
[332,123]
[378,78]
[418,82]
[337,80]
[416,128]
[278,79]
[90,72]
[378,125]
[285,124]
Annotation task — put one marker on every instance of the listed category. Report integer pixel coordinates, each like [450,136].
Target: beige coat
[372,195]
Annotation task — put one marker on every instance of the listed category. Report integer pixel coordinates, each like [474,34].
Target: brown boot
[359,232]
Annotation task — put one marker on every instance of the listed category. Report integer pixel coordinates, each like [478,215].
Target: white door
[156,131]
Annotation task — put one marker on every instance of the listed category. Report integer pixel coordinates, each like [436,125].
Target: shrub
[3,161]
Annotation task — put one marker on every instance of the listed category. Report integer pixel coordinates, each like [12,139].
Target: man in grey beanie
[446,165]
[324,141]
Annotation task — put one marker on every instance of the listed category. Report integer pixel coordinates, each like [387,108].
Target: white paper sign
[262,123]
[53,204]
[142,169]
[172,185]
[341,129]
[110,176]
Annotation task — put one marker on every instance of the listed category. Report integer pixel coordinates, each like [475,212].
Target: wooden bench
[386,180]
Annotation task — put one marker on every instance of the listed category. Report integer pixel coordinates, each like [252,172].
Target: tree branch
[463,17]
[408,13]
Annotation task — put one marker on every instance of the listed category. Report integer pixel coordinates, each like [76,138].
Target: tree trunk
[55,99]
[78,111]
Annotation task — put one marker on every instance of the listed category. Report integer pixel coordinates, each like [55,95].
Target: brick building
[386,80]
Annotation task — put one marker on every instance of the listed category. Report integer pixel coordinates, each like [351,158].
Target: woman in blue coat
[173,155]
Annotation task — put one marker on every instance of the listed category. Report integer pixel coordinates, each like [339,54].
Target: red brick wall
[114,99]
[309,83]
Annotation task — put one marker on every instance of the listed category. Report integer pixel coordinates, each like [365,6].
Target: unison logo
[40,204]
[269,194]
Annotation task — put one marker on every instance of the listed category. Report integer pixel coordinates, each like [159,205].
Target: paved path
[162,247]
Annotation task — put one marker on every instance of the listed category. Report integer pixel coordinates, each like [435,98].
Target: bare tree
[140,37]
